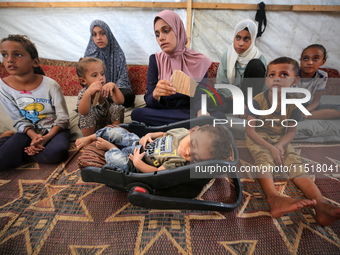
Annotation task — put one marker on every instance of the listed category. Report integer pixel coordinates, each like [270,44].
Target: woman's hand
[163,88]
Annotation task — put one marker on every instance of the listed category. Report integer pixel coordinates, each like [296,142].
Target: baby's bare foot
[326,213]
[83,141]
[280,205]
[104,145]
[7,133]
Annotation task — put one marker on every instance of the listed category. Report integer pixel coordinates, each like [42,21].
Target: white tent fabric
[63,33]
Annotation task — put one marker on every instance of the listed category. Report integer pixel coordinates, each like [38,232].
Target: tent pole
[189,21]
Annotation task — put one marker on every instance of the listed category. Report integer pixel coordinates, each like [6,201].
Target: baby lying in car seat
[160,150]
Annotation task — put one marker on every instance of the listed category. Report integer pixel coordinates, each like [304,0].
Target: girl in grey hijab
[103,45]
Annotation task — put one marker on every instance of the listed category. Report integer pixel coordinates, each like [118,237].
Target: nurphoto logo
[238,103]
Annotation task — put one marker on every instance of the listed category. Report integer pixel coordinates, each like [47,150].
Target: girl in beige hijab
[241,62]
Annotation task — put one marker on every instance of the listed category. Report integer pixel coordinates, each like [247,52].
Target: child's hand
[136,156]
[31,150]
[36,145]
[277,155]
[94,87]
[108,89]
[38,141]
[146,139]
[280,148]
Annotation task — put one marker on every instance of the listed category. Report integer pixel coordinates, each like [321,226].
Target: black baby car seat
[170,188]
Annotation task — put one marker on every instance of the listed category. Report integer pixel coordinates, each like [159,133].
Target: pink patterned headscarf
[189,61]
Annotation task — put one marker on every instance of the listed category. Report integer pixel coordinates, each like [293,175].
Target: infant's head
[206,143]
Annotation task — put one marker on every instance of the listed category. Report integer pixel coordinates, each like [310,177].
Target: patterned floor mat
[48,209]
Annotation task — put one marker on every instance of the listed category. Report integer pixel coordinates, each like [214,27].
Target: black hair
[156,18]
[29,47]
[320,47]
[221,142]
[286,60]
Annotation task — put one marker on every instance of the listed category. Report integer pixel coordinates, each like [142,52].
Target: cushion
[71,102]
[6,123]
[54,62]
[3,71]
[320,131]
[65,76]
[91,156]
[333,82]
[212,70]
[139,103]
[137,76]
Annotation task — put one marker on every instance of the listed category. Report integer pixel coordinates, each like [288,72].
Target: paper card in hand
[96,99]
[183,83]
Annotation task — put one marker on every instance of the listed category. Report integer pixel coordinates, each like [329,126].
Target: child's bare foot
[326,213]
[104,145]
[280,205]
[7,133]
[83,141]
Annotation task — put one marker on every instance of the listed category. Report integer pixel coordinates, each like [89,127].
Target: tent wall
[63,33]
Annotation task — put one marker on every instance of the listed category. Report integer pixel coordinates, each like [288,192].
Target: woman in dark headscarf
[103,45]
